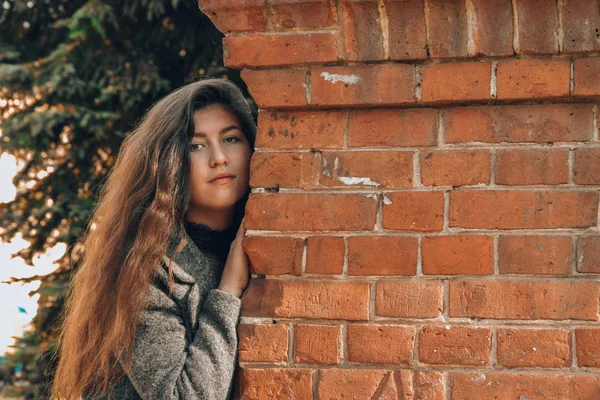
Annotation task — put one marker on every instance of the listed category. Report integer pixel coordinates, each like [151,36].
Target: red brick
[380,344]
[380,84]
[310,212]
[587,342]
[406,385]
[585,77]
[429,386]
[237,20]
[337,384]
[538,123]
[506,209]
[407,40]
[409,298]
[382,255]
[362,30]
[524,299]
[325,255]
[580,19]
[462,81]
[393,128]
[586,170]
[490,37]
[545,348]
[447,28]
[276,87]
[300,130]
[287,170]
[304,14]
[413,211]
[455,167]
[455,345]
[275,383]
[545,255]
[263,342]
[458,255]
[498,385]
[302,299]
[533,79]
[275,50]
[317,344]
[367,169]
[588,254]
[537,26]
[532,167]
[274,255]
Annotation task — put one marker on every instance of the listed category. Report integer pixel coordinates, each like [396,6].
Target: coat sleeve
[166,365]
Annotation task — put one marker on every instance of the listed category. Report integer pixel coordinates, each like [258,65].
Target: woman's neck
[215,219]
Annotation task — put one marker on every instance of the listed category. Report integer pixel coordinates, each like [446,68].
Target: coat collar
[185,263]
[178,272]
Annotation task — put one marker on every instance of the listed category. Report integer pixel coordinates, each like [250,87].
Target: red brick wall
[425,198]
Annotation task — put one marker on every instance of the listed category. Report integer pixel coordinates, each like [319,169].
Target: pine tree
[75,77]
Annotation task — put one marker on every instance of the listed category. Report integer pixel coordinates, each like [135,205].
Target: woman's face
[218,146]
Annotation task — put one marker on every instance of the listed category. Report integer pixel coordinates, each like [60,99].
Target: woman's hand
[236,273]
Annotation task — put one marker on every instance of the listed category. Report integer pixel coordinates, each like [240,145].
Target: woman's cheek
[195,182]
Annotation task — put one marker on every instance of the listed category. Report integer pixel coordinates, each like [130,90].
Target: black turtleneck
[209,240]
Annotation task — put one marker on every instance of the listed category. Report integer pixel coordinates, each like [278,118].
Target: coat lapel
[193,277]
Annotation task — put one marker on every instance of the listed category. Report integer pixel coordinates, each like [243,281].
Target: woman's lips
[222,181]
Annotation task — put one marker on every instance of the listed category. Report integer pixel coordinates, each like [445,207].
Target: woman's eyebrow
[224,130]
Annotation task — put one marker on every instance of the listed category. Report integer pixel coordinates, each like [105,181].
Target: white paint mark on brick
[571,163]
[326,171]
[371,196]
[471,27]
[426,12]
[418,92]
[256,320]
[335,78]
[493,82]
[386,200]
[559,26]
[308,88]
[351,180]
[479,378]
[385,29]
[516,43]
[572,78]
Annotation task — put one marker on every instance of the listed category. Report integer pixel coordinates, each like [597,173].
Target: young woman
[152,311]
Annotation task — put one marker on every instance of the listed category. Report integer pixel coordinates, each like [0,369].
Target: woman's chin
[224,203]
[221,199]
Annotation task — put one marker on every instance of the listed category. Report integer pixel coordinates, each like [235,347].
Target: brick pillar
[424,216]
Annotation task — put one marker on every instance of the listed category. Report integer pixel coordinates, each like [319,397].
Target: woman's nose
[218,156]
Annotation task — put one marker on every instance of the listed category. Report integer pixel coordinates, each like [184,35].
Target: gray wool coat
[185,346]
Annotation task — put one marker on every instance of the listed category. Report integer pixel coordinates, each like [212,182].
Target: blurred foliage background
[75,78]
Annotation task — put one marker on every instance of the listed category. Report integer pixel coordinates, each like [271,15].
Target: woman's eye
[198,146]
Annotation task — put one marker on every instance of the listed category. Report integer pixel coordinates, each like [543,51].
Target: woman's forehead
[214,118]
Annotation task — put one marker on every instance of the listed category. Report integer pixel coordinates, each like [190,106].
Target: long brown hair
[145,197]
